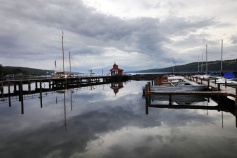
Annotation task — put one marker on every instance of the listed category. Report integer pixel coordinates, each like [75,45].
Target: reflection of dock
[223,104]
[21,88]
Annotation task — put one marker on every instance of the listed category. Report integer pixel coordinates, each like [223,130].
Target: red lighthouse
[115,71]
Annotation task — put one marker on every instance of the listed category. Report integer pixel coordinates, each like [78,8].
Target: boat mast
[70,63]
[198,64]
[202,63]
[63,52]
[206,61]
[221,54]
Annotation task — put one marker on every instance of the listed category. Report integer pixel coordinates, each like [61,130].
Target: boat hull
[178,88]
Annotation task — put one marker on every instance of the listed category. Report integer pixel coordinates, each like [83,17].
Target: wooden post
[170,99]
[218,87]
[9,93]
[146,88]
[41,94]
[208,83]
[66,83]
[236,97]
[21,97]
[50,85]
[20,91]
[36,85]
[2,91]
[149,86]
[29,86]
[147,103]
[14,87]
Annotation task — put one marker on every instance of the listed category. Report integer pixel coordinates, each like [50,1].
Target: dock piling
[9,92]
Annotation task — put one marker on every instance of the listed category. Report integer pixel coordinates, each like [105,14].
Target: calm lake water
[102,122]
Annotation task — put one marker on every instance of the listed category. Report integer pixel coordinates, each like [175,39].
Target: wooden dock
[29,86]
[213,89]
[218,93]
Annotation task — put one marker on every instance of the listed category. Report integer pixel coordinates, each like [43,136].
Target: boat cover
[229,75]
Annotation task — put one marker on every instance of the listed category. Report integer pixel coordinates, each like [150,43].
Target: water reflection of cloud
[118,128]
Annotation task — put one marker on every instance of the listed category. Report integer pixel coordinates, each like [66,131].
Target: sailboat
[60,74]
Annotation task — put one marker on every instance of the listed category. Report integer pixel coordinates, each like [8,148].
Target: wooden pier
[218,93]
[213,89]
[30,86]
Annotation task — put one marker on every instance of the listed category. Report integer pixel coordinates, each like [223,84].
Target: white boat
[175,79]
[182,85]
[227,81]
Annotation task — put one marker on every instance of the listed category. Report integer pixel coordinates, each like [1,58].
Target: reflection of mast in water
[71,98]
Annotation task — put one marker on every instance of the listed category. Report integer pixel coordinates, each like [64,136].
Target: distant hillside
[4,70]
[213,66]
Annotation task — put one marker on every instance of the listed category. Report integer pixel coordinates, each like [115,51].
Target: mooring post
[218,86]
[50,85]
[36,85]
[147,103]
[208,83]
[14,87]
[65,83]
[149,86]
[146,88]
[9,93]
[21,97]
[41,94]
[20,91]
[29,86]
[235,97]
[2,91]
[170,99]
[225,83]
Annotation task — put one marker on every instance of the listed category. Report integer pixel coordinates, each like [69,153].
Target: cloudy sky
[135,34]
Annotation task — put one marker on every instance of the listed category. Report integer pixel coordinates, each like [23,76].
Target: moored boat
[181,85]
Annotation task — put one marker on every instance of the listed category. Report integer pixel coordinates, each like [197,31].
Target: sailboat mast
[221,53]
[198,64]
[70,63]
[206,61]
[202,63]
[63,51]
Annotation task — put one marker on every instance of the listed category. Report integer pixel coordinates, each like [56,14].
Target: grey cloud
[35,27]
[234,39]
[182,26]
